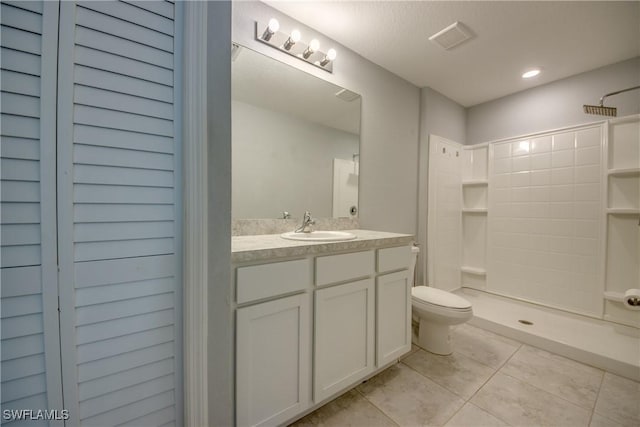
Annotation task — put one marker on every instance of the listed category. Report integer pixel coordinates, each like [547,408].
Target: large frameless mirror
[296,141]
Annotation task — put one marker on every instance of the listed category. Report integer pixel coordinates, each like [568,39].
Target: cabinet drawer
[338,268]
[269,280]
[390,259]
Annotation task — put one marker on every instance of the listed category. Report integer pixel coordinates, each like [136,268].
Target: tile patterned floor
[489,380]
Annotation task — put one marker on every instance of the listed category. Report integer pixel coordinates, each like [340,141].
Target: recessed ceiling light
[531,73]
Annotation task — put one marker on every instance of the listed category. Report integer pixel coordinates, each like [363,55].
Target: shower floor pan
[605,345]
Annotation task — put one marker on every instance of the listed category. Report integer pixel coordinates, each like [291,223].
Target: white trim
[544,132]
[624,119]
[476,146]
[603,247]
[48,217]
[178,111]
[65,211]
[195,200]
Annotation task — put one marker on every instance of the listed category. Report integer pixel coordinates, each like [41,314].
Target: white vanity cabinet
[273,343]
[308,329]
[393,304]
[344,325]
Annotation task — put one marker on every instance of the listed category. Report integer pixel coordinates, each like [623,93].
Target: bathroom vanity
[313,319]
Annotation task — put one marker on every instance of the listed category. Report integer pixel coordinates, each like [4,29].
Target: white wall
[441,116]
[555,105]
[277,150]
[219,316]
[389,127]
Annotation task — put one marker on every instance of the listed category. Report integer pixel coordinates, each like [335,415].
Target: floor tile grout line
[454,414]
[439,385]
[431,379]
[489,379]
[565,358]
[373,404]
[604,373]
[546,391]
[443,386]
[456,394]
[497,370]
[517,347]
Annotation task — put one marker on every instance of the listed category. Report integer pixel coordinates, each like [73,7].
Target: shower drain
[525,322]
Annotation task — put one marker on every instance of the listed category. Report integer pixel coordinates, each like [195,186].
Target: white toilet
[436,310]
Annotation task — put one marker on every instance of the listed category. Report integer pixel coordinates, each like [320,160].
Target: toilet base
[434,337]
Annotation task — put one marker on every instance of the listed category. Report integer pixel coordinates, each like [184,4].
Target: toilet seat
[429,296]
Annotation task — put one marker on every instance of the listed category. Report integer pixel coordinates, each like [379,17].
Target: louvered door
[30,345]
[118,161]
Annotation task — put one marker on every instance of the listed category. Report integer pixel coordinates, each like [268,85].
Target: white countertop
[270,246]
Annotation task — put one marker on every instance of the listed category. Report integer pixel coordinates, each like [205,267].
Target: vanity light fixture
[313,47]
[293,39]
[271,29]
[292,44]
[330,56]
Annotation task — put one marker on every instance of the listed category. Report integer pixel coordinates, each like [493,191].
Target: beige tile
[598,420]
[484,346]
[619,400]
[558,375]
[521,404]
[471,415]
[350,409]
[409,398]
[457,373]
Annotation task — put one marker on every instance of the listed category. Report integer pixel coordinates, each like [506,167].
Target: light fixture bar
[291,44]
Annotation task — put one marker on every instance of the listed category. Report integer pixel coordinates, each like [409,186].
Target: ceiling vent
[452,36]
[347,95]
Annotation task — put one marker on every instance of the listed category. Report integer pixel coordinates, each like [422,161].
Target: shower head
[601,110]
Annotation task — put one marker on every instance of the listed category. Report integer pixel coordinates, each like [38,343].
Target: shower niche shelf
[474,164]
[624,172]
[624,150]
[474,196]
[475,203]
[623,191]
[623,209]
[475,182]
[473,270]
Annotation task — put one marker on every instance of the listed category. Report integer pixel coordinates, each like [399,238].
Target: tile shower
[544,231]
[551,219]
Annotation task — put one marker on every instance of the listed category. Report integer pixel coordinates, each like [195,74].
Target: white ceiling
[565,38]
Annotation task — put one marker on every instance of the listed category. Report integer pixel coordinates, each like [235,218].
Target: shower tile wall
[545,233]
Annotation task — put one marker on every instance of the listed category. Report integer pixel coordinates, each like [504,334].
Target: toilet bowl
[436,310]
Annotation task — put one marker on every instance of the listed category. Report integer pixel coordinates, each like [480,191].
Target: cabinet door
[344,325]
[119,211]
[393,316]
[272,369]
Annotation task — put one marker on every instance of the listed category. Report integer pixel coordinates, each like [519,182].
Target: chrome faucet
[307,222]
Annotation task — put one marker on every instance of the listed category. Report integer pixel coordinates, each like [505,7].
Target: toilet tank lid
[439,297]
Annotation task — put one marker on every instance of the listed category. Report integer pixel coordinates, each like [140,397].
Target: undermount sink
[319,236]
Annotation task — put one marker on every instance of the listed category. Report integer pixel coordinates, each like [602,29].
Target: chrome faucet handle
[306,222]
